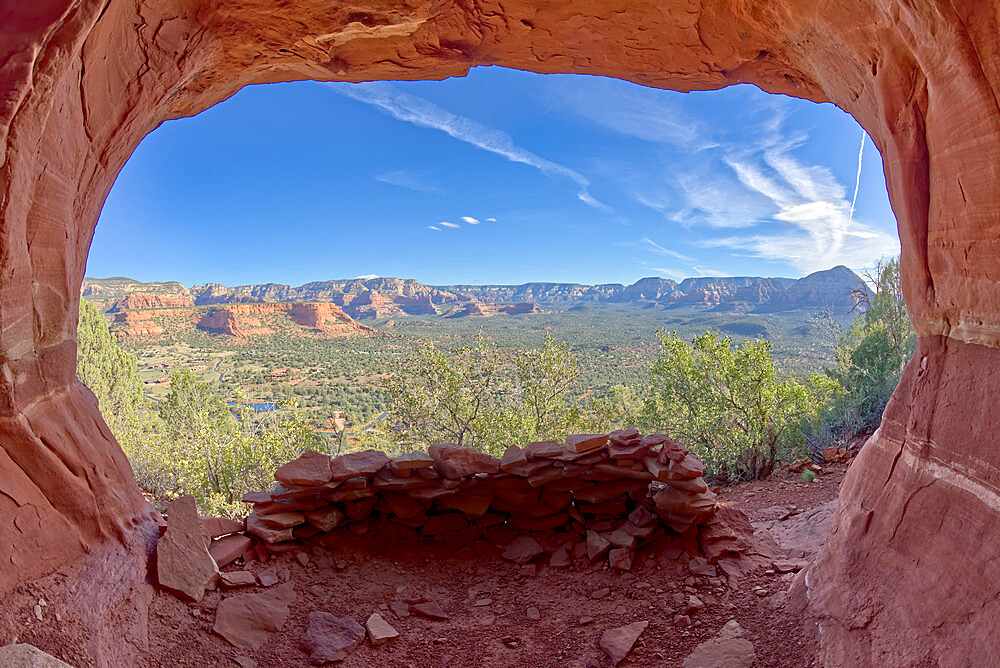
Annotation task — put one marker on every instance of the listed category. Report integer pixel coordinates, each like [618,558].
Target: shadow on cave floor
[500,615]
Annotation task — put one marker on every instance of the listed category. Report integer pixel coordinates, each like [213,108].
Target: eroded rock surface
[81,83]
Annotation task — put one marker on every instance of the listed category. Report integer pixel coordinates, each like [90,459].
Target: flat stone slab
[23,655]
[183,563]
[248,620]
[618,642]
[803,534]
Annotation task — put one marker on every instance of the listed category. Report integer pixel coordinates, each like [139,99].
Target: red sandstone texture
[139,301]
[82,82]
[242,321]
[136,324]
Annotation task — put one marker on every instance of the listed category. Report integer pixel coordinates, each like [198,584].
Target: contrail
[857,182]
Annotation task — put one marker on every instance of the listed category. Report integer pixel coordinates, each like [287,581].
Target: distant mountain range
[378,298]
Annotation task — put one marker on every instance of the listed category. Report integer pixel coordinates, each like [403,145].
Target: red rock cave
[911,572]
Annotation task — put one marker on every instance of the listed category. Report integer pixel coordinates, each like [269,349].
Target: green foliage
[728,405]
[218,453]
[468,397]
[870,357]
[620,408]
[112,375]
[808,476]
[195,443]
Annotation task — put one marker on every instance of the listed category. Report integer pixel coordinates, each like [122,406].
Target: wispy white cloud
[447,224]
[406,179]
[706,271]
[787,210]
[811,223]
[470,220]
[491,220]
[645,113]
[366,277]
[675,274]
[434,227]
[660,250]
[423,113]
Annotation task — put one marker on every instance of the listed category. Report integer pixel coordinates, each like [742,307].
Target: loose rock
[233,579]
[248,620]
[430,610]
[379,630]
[183,563]
[617,643]
[522,550]
[309,470]
[330,638]
[23,655]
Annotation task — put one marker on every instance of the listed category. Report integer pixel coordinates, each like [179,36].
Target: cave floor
[502,616]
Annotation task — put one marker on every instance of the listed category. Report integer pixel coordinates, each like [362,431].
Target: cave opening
[84,83]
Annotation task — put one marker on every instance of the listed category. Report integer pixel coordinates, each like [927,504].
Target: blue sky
[498,177]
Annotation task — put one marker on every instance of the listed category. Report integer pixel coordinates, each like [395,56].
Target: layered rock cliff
[909,574]
[392,297]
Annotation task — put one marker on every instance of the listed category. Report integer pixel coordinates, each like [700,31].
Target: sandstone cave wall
[82,82]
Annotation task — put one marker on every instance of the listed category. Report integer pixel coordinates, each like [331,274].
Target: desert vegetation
[725,397]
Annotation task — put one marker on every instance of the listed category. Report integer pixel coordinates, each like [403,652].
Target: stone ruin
[594,497]
[83,81]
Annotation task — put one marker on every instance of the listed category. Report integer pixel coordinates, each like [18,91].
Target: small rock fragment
[560,558]
[522,550]
[267,578]
[533,614]
[701,566]
[330,638]
[234,579]
[617,643]
[379,630]
[722,653]
[400,609]
[620,559]
[430,610]
[597,545]
[248,620]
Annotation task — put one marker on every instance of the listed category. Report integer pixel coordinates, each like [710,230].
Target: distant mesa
[327,309]
[143,300]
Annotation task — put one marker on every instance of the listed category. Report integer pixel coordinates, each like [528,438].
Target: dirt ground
[498,613]
[489,601]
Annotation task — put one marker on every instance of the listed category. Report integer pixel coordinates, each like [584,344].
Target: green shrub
[727,404]
[468,396]
[870,357]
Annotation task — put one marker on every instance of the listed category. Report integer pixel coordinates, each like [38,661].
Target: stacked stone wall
[593,497]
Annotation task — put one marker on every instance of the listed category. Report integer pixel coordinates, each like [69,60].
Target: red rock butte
[911,572]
